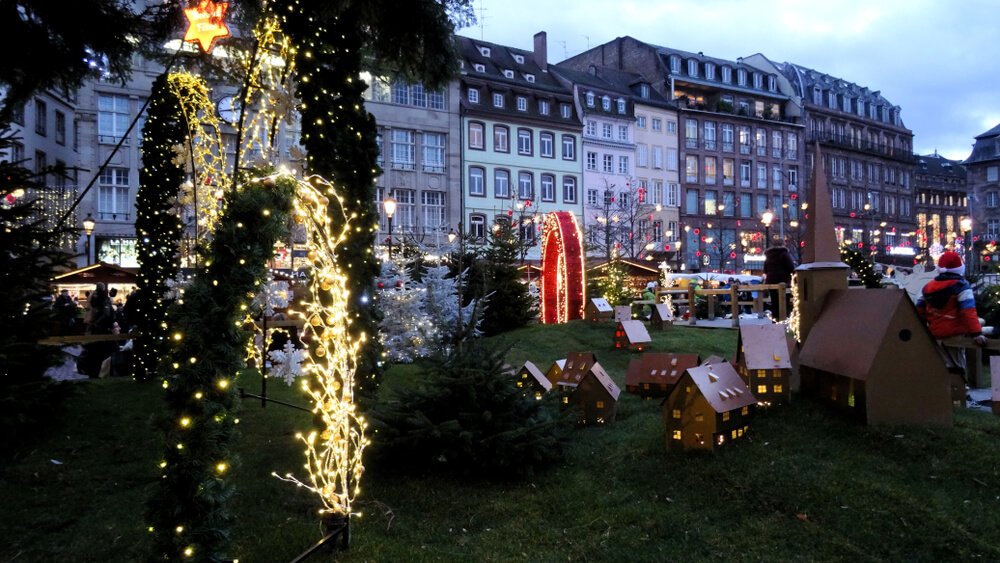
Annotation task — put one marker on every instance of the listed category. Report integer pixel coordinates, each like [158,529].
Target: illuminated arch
[562,268]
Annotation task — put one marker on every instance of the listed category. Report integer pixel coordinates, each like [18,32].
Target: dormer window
[507,73]
[565,111]
[675,63]
[772,83]
[519,59]
[817,95]
[710,71]
[846,104]
[484,51]
[741,77]
[543,107]
[644,90]
[621,106]
[606,103]
[473,95]
[758,81]
[590,99]
[529,77]
[497,100]
[692,67]
[479,67]
[727,75]
[522,103]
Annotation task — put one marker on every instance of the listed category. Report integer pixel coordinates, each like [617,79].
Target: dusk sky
[939,61]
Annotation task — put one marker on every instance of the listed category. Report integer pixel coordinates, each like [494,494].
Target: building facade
[983,168]
[942,206]
[520,141]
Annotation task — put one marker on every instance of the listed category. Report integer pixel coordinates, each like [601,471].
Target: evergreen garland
[157,226]
[188,514]
[339,137]
[862,266]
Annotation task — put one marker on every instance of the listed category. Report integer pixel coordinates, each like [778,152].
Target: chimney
[541,50]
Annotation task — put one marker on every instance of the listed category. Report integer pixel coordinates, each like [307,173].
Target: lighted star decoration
[207,23]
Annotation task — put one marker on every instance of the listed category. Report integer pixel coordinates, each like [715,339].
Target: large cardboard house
[763,360]
[709,407]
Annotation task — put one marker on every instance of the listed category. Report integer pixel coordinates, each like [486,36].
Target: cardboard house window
[744,411]
[677,435]
[777,388]
[762,388]
[565,400]
[676,413]
[699,417]
[600,404]
[725,416]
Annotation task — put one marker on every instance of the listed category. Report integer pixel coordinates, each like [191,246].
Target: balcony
[876,149]
[691,142]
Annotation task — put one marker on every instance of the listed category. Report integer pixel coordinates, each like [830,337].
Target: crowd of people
[96,312]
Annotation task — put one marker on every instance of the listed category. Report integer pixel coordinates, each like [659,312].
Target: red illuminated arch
[562,268]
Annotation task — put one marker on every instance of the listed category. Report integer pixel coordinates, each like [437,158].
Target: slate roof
[987,147]
[722,387]
[937,165]
[804,79]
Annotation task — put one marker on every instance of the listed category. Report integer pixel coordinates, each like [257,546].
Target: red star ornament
[207,23]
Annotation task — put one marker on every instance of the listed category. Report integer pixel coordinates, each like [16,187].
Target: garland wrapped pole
[188,515]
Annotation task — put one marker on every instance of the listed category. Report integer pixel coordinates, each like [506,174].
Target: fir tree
[405,331]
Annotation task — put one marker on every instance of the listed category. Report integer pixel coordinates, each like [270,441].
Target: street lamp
[966,226]
[88,228]
[765,218]
[389,205]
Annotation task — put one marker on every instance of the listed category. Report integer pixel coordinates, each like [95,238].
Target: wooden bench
[973,357]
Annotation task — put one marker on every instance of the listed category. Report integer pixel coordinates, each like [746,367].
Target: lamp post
[88,228]
[389,205]
[966,226]
[765,218]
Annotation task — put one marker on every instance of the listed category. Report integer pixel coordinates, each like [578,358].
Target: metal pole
[390,237]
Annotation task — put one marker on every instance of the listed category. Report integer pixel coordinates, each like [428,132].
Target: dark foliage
[468,417]
[201,386]
[862,266]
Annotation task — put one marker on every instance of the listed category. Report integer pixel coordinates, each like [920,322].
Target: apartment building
[520,140]
[983,167]
[941,205]
[739,141]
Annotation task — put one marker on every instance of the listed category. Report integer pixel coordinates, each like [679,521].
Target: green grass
[805,485]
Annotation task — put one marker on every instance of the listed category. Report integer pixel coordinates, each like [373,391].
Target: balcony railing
[877,149]
[691,143]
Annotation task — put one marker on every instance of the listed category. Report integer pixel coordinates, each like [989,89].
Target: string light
[563,280]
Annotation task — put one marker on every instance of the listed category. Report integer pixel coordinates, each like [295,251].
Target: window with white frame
[113,195]
[658,157]
[671,126]
[522,103]
[590,99]
[591,128]
[606,103]
[992,173]
[673,194]
[642,155]
[473,95]
[543,107]
[41,117]
[640,121]
[675,63]
[525,185]
[568,147]
[112,117]
[709,135]
[547,187]
[433,152]
[691,133]
[406,208]
[727,75]
[497,100]
[691,168]
[745,205]
[621,106]
[793,146]
[657,198]
[776,144]
[476,136]
[623,133]
[524,141]
[728,171]
[569,189]
[508,73]
[991,199]
[761,175]
[741,77]
[402,148]
[710,71]
[671,159]
[711,169]
[546,145]
[776,177]
[565,110]
[591,160]
[609,164]
[60,127]
[606,130]
[501,138]
[592,197]
[772,83]
[657,124]
[477,181]
[432,210]
[623,165]
[529,78]
[692,67]
[728,137]
[501,183]
[477,227]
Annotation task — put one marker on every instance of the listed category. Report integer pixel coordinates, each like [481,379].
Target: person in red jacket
[948,307]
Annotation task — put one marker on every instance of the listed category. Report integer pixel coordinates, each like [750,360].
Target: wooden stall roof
[100,272]
[722,387]
[659,367]
[635,331]
[531,369]
[765,346]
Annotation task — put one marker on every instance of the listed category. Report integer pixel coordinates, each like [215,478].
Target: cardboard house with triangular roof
[709,407]
[598,309]
[712,360]
[763,360]
[554,373]
[596,396]
[569,374]
[662,317]
[631,335]
[531,381]
[869,354]
[654,374]
[623,313]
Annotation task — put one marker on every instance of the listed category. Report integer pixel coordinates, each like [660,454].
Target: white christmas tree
[441,305]
[405,331]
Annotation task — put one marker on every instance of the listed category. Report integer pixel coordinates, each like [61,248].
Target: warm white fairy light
[333,453]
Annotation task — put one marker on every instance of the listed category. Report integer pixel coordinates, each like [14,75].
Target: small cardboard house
[596,396]
[532,381]
[709,407]
[869,354]
[654,374]
[566,374]
[555,371]
[598,309]
[712,360]
[631,335]
[623,313]
[662,317]
[763,360]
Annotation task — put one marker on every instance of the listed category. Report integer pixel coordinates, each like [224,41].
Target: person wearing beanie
[948,307]
[649,295]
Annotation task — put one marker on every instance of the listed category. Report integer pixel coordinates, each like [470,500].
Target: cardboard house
[598,309]
[631,335]
[623,313]
[764,361]
[712,360]
[566,374]
[554,373]
[532,381]
[708,408]
[869,354]
[654,374]
[596,397]
[662,317]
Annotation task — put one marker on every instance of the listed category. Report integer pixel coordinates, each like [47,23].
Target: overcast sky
[938,60]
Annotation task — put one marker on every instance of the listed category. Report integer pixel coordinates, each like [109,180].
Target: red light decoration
[852,214]
[697,231]
[563,280]
[207,23]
